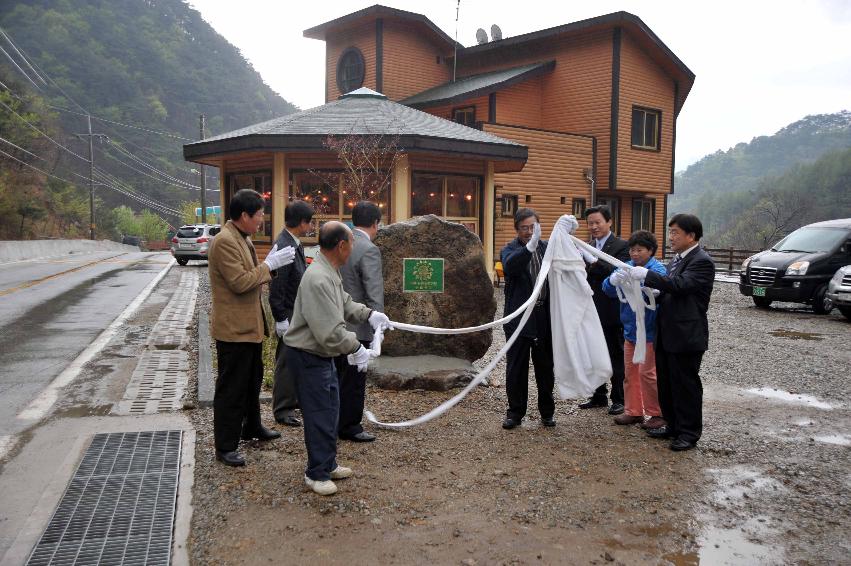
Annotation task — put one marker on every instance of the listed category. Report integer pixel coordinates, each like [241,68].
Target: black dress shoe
[679,444]
[661,432]
[359,437]
[262,434]
[548,421]
[593,403]
[616,409]
[231,458]
[289,420]
[510,423]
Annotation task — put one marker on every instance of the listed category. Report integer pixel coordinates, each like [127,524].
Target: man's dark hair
[297,212]
[244,200]
[332,234]
[688,223]
[602,209]
[522,214]
[644,239]
[365,214]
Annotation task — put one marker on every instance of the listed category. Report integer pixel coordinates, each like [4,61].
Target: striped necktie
[673,263]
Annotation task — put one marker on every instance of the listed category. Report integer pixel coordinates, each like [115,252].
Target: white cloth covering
[581,359]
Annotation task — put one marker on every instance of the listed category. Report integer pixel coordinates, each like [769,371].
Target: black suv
[799,267]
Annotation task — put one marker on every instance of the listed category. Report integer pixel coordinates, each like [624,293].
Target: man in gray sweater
[317,334]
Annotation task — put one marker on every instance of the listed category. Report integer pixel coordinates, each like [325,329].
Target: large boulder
[467,298]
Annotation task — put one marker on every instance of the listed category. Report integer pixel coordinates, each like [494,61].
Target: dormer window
[350,70]
[466,116]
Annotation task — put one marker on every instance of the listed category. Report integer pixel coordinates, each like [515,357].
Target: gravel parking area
[769,482]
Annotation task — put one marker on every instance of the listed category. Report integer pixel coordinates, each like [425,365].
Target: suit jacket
[235,282]
[518,288]
[681,323]
[284,286]
[607,308]
[363,279]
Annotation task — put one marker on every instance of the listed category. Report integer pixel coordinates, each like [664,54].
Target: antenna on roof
[481,36]
[455,56]
[496,33]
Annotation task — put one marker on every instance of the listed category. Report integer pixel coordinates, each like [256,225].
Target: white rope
[631,290]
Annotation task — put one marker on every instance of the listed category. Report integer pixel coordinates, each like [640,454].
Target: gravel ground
[768,483]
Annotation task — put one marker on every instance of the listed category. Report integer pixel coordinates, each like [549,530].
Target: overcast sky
[759,64]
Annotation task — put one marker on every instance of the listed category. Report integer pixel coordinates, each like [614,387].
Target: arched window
[350,70]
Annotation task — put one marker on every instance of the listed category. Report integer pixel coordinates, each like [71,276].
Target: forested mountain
[804,158]
[145,70]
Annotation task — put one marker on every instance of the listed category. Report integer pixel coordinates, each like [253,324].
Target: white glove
[638,273]
[281,327]
[618,277]
[361,358]
[656,292]
[532,244]
[587,256]
[277,259]
[568,222]
[379,320]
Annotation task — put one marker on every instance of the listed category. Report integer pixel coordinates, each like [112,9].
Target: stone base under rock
[434,373]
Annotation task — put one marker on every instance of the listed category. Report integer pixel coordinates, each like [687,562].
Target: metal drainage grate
[157,383]
[119,506]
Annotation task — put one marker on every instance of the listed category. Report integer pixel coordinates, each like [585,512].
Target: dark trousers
[319,399]
[284,397]
[352,396]
[517,376]
[680,391]
[614,343]
[236,404]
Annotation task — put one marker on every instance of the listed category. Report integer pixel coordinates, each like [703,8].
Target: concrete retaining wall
[32,249]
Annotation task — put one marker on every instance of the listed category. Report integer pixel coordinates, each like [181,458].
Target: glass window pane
[376,188]
[637,127]
[318,191]
[427,195]
[462,197]
[650,130]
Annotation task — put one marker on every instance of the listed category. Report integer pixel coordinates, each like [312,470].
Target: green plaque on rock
[423,275]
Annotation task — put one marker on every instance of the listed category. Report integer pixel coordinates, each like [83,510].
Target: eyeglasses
[526,228]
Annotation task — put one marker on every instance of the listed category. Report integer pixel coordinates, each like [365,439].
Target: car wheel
[821,302]
[761,302]
[846,311]
[182,260]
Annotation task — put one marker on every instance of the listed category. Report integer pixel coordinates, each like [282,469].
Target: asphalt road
[51,310]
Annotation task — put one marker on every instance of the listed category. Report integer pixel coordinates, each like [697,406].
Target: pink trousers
[639,386]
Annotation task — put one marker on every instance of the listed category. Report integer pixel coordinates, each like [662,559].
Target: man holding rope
[316,335]
[521,261]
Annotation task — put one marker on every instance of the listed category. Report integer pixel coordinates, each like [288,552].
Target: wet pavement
[51,310]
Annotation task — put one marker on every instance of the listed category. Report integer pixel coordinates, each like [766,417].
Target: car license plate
[758,292]
[185,246]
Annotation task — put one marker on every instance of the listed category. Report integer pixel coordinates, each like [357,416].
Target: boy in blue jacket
[640,393]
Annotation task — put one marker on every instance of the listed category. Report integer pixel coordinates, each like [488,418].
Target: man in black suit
[682,331]
[521,261]
[298,218]
[599,220]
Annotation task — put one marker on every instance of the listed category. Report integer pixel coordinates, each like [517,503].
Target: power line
[12,110]
[152,168]
[105,175]
[22,149]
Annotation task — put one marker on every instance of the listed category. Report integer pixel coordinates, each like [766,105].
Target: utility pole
[91,137]
[203,181]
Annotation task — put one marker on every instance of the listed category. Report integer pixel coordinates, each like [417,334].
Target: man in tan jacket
[316,335]
[238,325]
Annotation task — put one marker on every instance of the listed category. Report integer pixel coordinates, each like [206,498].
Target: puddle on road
[738,483]
[726,546]
[838,439]
[787,397]
[795,335]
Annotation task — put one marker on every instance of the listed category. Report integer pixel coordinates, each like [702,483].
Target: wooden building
[595,102]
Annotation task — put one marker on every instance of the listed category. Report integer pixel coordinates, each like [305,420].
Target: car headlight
[798,268]
[746,263]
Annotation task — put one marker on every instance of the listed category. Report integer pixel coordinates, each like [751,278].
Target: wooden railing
[726,259]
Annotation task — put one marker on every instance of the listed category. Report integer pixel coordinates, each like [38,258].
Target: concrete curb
[183,509]
[206,381]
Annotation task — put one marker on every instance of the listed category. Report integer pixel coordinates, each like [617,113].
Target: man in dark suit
[599,220]
[521,261]
[363,279]
[682,331]
[298,219]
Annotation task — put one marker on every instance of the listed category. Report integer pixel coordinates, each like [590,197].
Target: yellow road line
[34,282]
